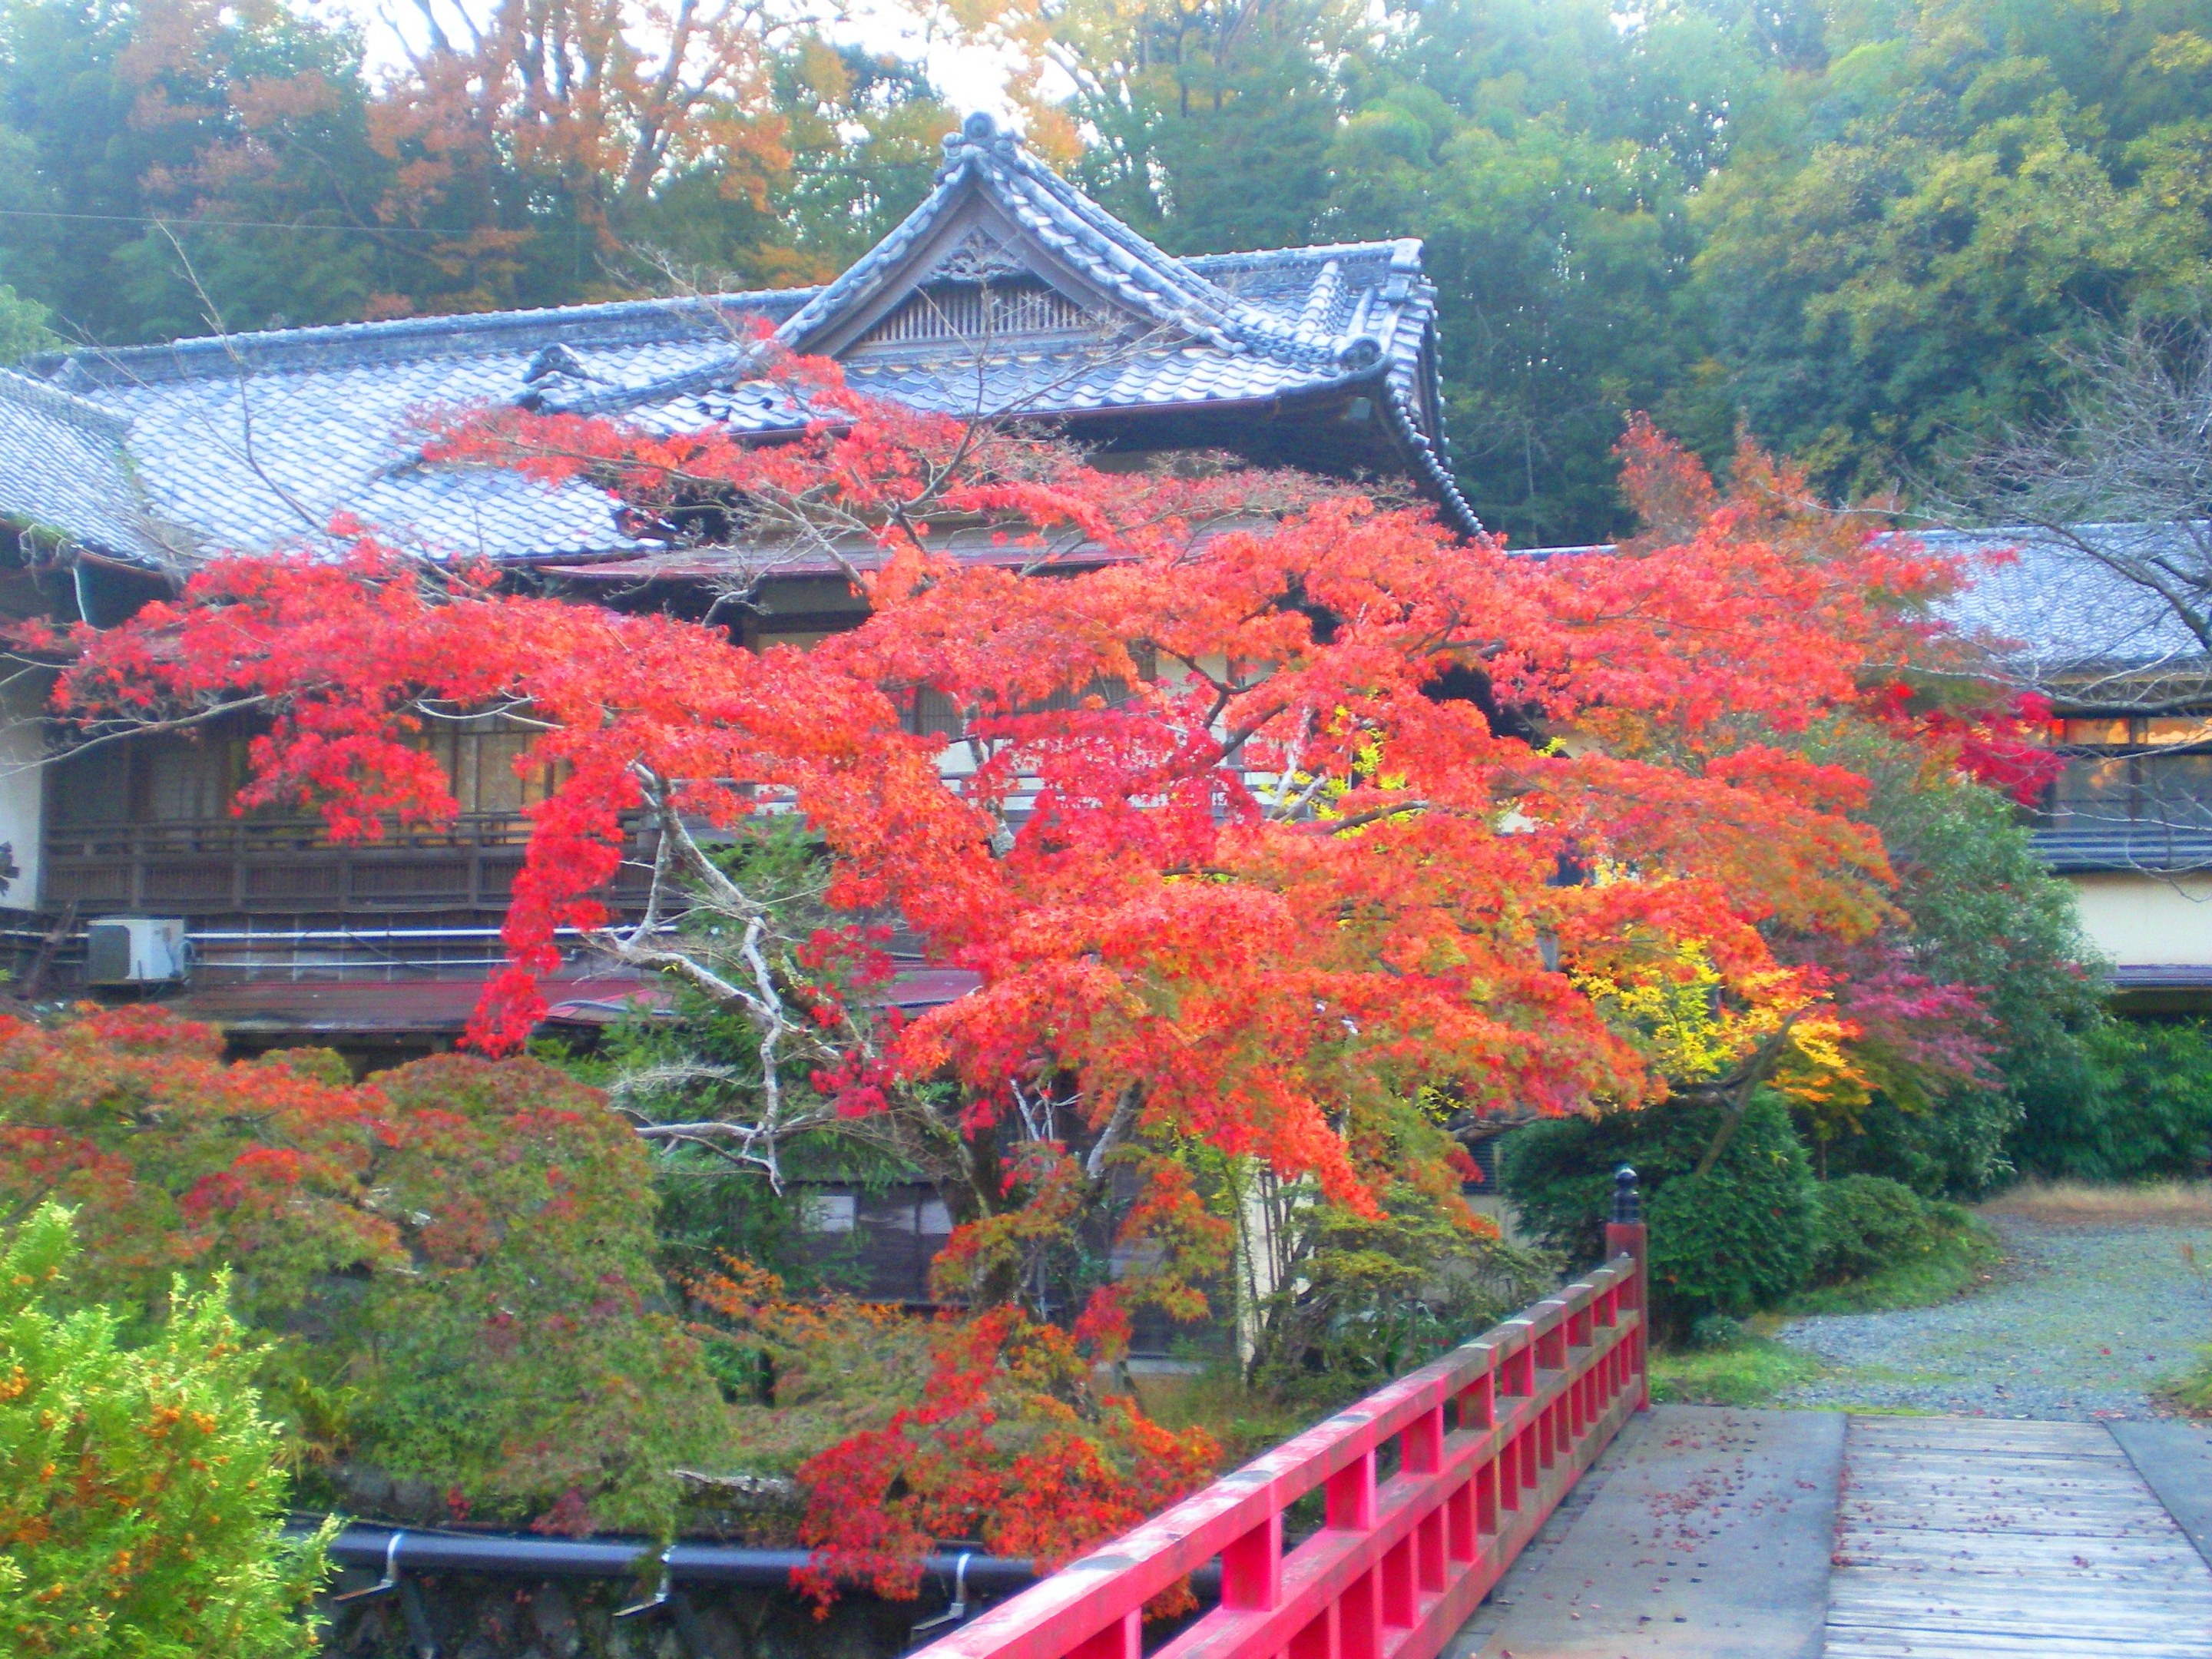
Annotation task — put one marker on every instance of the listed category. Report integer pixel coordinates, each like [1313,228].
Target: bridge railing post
[1625,1235]
[1490,1437]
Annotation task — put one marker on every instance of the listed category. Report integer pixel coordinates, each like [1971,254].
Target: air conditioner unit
[135,951]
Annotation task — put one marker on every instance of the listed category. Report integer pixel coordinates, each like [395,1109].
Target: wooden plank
[1963,1644]
[1989,1539]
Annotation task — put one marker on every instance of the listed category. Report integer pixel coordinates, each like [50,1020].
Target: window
[828,1212]
[478,753]
[194,778]
[164,780]
[2154,769]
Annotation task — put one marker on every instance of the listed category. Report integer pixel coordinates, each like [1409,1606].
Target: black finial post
[1624,1235]
[1627,1203]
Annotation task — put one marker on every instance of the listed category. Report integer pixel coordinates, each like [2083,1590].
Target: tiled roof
[2057,616]
[257,441]
[62,471]
[2050,614]
[2076,843]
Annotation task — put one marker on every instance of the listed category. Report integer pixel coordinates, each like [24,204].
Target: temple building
[1005,294]
[2128,821]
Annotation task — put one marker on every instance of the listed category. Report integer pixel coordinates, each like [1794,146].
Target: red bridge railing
[1489,1438]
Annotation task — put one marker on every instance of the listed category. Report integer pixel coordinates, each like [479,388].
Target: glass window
[2185,728]
[185,781]
[478,753]
[2096,730]
[2178,787]
[94,787]
[154,780]
[2095,782]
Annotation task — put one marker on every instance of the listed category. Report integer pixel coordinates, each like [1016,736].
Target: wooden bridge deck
[1970,1536]
[1929,1538]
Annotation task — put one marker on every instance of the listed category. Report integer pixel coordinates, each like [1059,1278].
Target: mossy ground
[1961,1258]
[1749,1371]
[1757,1368]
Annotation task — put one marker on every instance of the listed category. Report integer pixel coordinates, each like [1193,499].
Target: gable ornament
[979,256]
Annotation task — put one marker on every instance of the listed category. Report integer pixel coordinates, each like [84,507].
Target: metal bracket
[958,1611]
[419,1633]
[690,1636]
[383,1586]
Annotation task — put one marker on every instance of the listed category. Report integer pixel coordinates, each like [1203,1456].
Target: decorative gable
[980,315]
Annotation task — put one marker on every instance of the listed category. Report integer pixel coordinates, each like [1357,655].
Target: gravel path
[2078,1325]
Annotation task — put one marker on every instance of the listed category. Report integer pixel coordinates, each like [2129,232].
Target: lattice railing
[1489,1439]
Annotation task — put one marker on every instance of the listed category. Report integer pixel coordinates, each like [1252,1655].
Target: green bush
[2145,1110]
[1717,1331]
[1734,1241]
[527,1362]
[1864,1224]
[1729,1242]
[1378,1294]
[142,1502]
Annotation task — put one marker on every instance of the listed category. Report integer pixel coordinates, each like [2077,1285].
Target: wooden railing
[1489,1439]
[254,866]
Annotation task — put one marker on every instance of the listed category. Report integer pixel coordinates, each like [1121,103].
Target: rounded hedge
[1864,1224]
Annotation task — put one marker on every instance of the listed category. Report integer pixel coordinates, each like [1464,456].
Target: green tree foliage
[1550,158]
[2145,1114]
[1900,241]
[1736,1238]
[455,1262]
[141,1502]
[1979,909]
[1377,1295]
[23,328]
[1867,232]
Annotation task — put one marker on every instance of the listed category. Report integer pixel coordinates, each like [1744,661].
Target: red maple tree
[1275,814]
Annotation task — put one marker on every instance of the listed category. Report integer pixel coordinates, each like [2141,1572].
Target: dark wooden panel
[94,884]
[411,878]
[292,884]
[198,885]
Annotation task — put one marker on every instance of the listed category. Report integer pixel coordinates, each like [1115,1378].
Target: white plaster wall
[2142,919]
[23,791]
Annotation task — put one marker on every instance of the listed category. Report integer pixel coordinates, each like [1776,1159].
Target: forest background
[1869,230]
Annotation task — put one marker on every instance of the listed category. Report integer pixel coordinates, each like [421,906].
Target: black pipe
[370,1545]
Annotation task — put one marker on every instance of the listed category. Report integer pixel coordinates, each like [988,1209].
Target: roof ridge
[980,142]
[1395,246]
[185,356]
[1109,253]
[50,399]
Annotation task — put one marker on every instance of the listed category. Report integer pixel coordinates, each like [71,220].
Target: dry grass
[2079,1204]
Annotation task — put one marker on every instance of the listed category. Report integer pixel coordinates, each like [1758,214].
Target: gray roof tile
[257,441]
[2056,615]
[63,470]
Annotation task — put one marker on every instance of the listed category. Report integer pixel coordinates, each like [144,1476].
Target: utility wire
[183,223]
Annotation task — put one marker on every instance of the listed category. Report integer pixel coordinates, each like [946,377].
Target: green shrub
[1379,1295]
[526,1363]
[1717,1331]
[1734,1241]
[141,1502]
[2144,1112]
[1730,1241]
[1864,1224]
